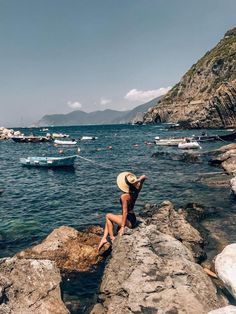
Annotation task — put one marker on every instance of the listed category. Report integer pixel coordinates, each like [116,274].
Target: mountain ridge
[205,97]
[107,116]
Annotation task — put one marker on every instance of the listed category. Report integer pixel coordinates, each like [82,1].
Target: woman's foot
[102,242]
[112,239]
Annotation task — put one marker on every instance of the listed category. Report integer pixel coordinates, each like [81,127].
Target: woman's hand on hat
[142,177]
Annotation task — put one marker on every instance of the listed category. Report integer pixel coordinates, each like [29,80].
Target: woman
[131,186]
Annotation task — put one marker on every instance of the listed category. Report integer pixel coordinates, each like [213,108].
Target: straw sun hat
[124,179]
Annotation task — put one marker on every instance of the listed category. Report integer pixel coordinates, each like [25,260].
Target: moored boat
[225,137]
[64,142]
[88,138]
[168,142]
[189,145]
[59,135]
[31,139]
[49,162]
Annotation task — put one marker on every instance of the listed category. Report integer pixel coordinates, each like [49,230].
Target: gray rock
[152,272]
[30,286]
[230,309]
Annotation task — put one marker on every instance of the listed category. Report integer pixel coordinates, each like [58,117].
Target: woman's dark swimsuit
[131,215]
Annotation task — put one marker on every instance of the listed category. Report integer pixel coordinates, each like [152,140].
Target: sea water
[37,200]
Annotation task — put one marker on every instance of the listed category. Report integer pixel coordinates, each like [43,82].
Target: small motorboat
[168,142]
[49,161]
[189,145]
[31,139]
[88,138]
[65,142]
[60,135]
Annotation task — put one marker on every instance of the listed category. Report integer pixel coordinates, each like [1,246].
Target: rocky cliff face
[206,94]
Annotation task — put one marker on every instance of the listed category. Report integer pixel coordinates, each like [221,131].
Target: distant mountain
[205,97]
[107,116]
[136,115]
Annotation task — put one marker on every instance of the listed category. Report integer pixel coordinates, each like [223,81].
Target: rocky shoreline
[154,268]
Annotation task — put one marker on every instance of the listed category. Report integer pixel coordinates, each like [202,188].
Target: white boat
[189,145]
[59,135]
[65,142]
[88,138]
[168,142]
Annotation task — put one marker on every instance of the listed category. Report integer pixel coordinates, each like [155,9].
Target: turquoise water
[36,201]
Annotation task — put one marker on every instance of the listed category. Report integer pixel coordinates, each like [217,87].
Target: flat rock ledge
[72,250]
[30,286]
[153,269]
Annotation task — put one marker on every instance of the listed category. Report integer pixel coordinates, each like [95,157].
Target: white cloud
[104,101]
[140,95]
[74,104]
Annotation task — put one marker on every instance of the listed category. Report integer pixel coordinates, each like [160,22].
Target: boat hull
[59,142]
[31,139]
[49,162]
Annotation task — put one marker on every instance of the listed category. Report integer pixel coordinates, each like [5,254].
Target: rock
[153,270]
[169,221]
[72,250]
[230,309]
[233,185]
[225,266]
[185,157]
[205,97]
[226,158]
[216,180]
[30,286]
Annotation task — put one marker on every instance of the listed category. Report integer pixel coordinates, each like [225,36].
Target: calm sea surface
[36,200]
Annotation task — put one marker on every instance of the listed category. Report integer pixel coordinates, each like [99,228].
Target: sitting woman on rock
[131,186]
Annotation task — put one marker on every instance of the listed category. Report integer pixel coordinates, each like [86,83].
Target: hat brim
[123,186]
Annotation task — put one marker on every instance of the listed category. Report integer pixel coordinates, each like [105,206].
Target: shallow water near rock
[35,201]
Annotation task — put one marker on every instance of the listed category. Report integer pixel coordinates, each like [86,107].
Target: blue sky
[59,55]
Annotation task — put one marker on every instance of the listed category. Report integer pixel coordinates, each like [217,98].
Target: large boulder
[30,286]
[225,266]
[229,309]
[153,269]
[72,250]
[233,185]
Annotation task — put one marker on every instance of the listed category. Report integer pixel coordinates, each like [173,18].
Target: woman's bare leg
[104,238]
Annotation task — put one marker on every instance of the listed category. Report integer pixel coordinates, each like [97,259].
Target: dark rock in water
[72,250]
[30,286]
[185,157]
[153,268]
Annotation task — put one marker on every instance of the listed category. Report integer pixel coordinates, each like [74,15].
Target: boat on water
[60,135]
[189,145]
[65,142]
[88,138]
[168,142]
[49,162]
[224,137]
[31,139]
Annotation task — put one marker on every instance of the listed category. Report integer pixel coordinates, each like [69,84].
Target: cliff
[205,97]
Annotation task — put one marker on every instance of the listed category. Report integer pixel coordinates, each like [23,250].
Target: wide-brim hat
[125,179]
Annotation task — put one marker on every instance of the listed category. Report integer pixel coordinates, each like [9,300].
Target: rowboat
[189,145]
[31,139]
[64,142]
[48,161]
